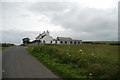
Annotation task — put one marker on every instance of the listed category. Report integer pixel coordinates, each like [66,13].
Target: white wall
[47,39]
[53,42]
[58,42]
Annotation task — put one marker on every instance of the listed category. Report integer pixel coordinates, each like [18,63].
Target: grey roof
[55,40]
[76,40]
[41,36]
[64,38]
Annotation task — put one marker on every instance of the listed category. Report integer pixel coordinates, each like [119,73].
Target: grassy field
[79,61]
[0,48]
[113,42]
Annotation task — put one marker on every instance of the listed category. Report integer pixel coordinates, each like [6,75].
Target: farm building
[47,39]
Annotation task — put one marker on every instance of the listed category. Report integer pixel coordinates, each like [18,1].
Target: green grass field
[0,48]
[79,61]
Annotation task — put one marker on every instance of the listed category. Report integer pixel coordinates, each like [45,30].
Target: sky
[78,19]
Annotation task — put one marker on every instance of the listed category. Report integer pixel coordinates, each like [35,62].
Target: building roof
[64,38]
[76,40]
[55,40]
[40,36]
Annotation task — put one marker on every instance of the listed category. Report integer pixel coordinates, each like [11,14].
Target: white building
[45,38]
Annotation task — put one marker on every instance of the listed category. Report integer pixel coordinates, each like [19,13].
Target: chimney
[47,31]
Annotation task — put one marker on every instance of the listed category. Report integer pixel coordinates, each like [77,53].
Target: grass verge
[79,61]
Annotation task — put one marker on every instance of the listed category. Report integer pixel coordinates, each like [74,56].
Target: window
[65,42]
[43,41]
[71,42]
[61,42]
[78,42]
[75,42]
[39,41]
[51,42]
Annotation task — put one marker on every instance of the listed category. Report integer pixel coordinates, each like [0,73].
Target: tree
[26,40]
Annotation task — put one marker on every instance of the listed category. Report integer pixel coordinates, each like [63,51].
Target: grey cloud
[87,20]
[49,7]
[91,22]
[79,22]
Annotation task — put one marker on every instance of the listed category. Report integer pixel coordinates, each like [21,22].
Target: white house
[45,38]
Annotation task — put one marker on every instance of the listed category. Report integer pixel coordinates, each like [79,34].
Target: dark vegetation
[26,40]
[7,45]
[79,61]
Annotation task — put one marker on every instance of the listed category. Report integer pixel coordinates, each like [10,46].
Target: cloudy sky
[79,19]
